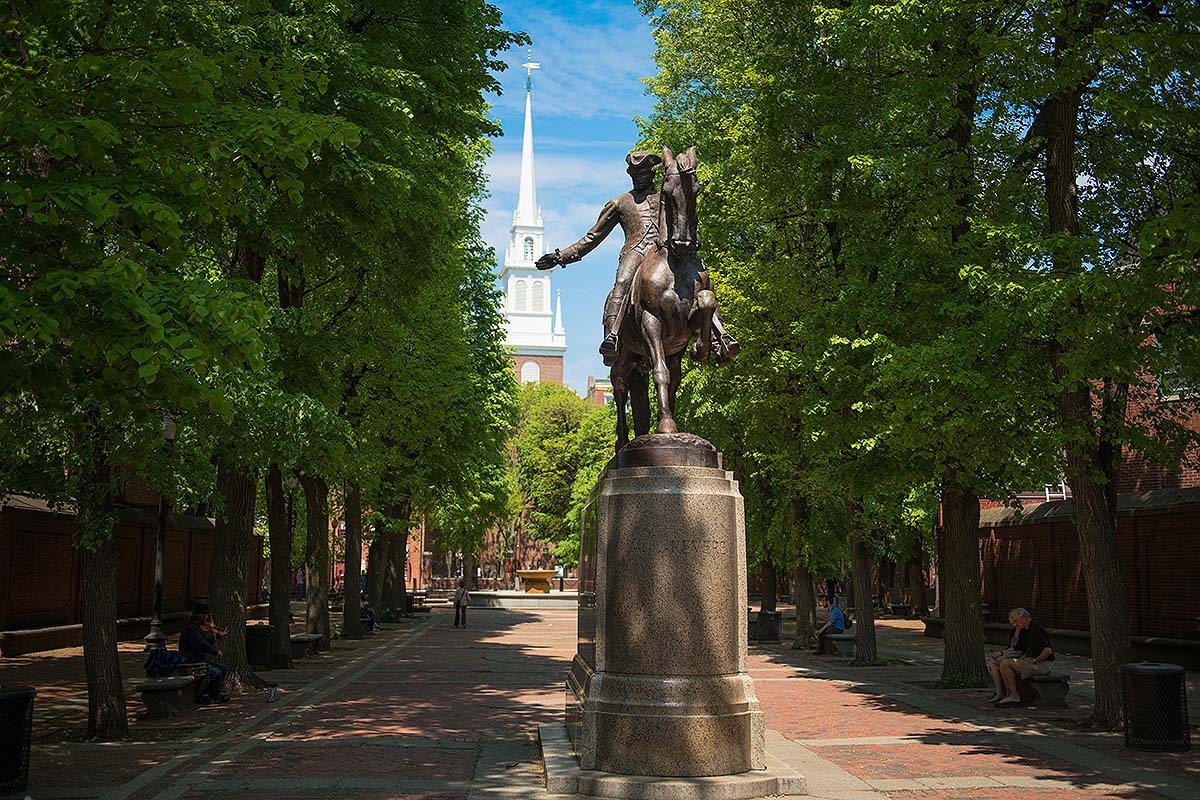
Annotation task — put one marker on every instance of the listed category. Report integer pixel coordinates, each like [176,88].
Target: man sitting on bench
[367,615]
[836,624]
[1033,657]
[198,642]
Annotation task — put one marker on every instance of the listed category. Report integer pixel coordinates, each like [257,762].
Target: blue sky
[593,55]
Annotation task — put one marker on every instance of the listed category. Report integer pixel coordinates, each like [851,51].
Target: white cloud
[554,172]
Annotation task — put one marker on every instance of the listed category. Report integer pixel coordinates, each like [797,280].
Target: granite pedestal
[658,686]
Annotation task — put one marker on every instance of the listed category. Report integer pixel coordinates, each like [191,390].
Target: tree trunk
[887,576]
[770,586]
[351,594]
[864,623]
[469,570]
[316,567]
[805,599]
[233,540]
[390,576]
[1108,617]
[99,558]
[916,581]
[377,558]
[396,577]
[964,643]
[279,533]
[1094,500]
[394,587]
[101,664]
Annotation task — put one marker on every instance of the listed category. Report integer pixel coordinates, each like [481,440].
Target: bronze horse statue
[671,301]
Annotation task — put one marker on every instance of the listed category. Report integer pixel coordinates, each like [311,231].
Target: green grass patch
[959,682]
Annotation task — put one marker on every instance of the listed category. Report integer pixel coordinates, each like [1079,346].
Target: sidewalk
[887,732]
[430,712]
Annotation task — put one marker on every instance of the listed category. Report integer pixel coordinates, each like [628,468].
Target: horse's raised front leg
[702,324]
[652,330]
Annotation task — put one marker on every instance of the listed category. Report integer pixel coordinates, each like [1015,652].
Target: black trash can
[258,645]
[1154,697]
[769,626]
[16,732]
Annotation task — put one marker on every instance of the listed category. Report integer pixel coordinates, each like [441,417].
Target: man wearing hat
[198,643]
[636,212]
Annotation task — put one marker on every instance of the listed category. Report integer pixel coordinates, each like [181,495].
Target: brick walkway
[430,712]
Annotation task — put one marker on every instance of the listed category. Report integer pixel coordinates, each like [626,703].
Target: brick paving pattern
[426,711]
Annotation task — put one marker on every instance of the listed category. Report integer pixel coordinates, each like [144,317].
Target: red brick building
[599,392]
[1030,557]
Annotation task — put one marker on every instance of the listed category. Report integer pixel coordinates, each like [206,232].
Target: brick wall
[551,367]
[1141,474]
[39,565]
[1032,560]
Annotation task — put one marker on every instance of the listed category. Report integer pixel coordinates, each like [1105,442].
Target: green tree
[110,185]
[561,444]
[189,231]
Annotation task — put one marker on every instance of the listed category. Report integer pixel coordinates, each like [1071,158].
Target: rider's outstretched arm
[609,217]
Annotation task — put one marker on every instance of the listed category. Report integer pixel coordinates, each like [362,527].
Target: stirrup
[608,347]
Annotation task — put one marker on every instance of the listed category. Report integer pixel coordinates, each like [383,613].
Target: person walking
[461,598]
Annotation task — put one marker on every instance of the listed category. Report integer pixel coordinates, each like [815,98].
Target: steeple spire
[559,330]
[527,210]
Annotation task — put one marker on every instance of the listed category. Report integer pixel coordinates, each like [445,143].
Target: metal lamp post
[156,639]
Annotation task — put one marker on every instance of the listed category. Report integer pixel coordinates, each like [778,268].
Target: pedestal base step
[563,776]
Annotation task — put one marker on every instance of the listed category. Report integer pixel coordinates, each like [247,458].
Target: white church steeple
[533,330]
[525,237]
[528,213]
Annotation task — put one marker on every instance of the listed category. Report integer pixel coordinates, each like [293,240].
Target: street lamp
[156,639]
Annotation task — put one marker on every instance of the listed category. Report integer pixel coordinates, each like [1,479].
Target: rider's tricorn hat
[642,159]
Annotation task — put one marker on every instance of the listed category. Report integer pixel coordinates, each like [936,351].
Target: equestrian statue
[663,296]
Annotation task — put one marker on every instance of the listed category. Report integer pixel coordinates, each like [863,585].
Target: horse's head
[678,199]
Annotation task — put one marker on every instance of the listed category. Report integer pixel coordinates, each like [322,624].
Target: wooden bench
[843,644]
[1044,690]
[167,697]
[305,644]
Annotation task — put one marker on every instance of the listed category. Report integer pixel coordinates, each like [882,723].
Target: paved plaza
[430,712]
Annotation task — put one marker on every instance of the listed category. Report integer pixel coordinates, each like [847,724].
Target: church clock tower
[533,329]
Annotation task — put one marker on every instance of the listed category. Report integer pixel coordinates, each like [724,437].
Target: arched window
[529,248]
[521,300]
[530,372]
[539,292]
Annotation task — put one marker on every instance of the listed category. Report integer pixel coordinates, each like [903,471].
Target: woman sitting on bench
[1029,654]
